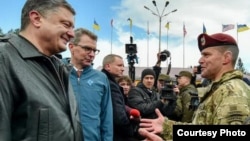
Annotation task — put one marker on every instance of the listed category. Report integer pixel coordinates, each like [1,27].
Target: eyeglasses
[89,49]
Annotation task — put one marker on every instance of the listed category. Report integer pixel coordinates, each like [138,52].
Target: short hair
[232,48]
[82,31]
[43,7]
[125,78]
[109,59]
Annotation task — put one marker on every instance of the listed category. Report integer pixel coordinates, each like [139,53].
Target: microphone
[135,113]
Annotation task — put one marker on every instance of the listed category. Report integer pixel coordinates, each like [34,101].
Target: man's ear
[35,18]
[227,57]
[107,67]
[70,45]
[71,48]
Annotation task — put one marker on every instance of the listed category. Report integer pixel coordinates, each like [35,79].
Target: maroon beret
[218,39]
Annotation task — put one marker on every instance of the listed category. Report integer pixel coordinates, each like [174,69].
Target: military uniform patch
[203,41]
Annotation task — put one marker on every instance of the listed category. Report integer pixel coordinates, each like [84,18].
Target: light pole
[160,16]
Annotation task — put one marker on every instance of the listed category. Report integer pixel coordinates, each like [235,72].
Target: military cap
[163,77]
[184,73]
[218,39]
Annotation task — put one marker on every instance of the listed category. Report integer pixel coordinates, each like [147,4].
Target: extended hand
[153,125]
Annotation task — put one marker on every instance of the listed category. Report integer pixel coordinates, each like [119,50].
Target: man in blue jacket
[91,88]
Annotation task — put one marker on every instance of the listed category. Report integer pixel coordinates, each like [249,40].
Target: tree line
[10,31]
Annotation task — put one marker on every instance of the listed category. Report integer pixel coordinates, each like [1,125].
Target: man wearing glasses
[91,88]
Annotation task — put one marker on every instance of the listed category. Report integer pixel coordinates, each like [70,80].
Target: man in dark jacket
[36,100]
[125,129]
[144,97]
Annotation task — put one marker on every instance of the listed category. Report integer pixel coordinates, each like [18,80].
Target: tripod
[132,59]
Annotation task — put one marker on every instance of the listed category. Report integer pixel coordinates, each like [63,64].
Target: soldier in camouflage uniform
[227,101]
[184,91]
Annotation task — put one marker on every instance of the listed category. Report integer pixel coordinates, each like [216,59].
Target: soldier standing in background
[185,91]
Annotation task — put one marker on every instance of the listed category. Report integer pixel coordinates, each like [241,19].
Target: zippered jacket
[36,99]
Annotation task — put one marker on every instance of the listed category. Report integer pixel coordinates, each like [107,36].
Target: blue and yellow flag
[242,27]
[96,26]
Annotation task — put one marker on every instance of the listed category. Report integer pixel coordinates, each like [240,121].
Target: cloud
[193,13]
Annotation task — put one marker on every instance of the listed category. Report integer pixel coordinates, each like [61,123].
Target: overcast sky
[192,13]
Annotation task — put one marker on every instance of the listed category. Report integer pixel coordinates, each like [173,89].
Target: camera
[198,69]
[132,58]
[131,48]
[194,102]
[164,55]
[167,91]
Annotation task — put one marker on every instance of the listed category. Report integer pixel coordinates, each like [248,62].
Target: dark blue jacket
[124,129]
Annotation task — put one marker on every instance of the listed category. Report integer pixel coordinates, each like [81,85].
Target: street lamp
[160,16]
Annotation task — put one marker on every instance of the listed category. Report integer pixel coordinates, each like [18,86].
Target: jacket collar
[110,77]
[26,49]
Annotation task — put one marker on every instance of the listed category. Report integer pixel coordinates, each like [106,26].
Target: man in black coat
[125,129]
[144,97]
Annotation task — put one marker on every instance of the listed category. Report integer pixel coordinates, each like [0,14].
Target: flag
[204,29]
[226,27]
[242,27]
[184,30]
[111,22]
[167,25]
[130,20]
[96,25]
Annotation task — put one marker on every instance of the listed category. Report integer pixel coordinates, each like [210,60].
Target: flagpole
[130,28]
[93,27]
[130,21]
[111,38]
[148,45]
[237,32]
[237,41]
[184,30]
[183,51]
[167,41]
[130,31]
[111,35]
